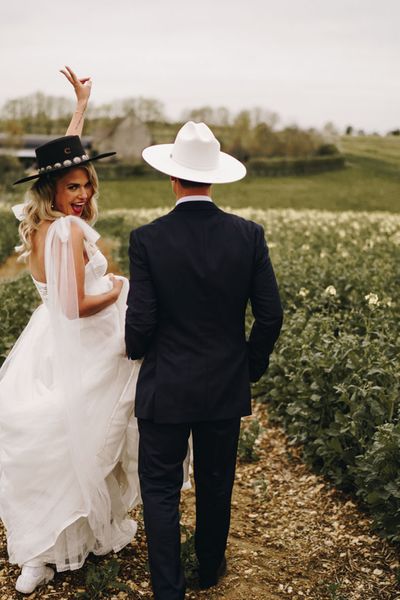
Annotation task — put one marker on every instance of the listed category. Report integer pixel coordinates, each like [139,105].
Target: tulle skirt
[43,503]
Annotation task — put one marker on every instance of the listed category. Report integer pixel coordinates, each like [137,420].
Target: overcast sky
[312,61]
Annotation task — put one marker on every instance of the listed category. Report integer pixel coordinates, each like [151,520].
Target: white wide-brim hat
[196,156]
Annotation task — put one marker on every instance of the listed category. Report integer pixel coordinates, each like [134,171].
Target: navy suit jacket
[192,273]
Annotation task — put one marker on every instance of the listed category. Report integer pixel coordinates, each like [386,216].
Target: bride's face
[73,191]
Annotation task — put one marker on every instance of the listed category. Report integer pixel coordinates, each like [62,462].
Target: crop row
[333,378]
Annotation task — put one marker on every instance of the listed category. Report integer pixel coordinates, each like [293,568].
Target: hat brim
[63,168]
[160,158]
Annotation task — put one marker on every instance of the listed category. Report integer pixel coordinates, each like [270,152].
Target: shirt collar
[193,199]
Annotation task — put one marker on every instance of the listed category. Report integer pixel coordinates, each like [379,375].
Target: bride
[68,438]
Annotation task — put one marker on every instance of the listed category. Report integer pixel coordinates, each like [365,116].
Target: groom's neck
[193,192]
[181,191]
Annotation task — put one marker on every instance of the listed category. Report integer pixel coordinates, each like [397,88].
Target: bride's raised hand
[82,85]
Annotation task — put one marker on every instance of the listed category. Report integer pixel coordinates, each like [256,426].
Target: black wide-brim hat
[62,153]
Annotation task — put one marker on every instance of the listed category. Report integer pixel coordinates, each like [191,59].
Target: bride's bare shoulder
[40,231]
[43,227]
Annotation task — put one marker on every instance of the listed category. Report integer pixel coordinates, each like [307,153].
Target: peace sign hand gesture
[82,86]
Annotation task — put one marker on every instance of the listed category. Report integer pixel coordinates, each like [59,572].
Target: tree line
[245,134]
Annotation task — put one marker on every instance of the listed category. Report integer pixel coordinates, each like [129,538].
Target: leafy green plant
[18,299]
[102,579]
[188,553]
[333,591]
[378,479]
[333,377]
[8,233]
[249,434]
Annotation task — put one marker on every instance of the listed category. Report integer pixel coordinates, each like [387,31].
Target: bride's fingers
[67,76]
[72,74]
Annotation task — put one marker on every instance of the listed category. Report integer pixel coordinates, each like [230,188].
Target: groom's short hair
[185,183]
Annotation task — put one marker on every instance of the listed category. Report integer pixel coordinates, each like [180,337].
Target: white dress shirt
[193,199]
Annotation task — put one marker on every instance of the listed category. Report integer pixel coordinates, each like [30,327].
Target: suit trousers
[162,450]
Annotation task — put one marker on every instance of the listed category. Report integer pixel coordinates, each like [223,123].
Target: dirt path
[291,537]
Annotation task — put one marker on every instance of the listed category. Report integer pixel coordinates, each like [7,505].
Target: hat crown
[62,149]
[61,153]
[196,147]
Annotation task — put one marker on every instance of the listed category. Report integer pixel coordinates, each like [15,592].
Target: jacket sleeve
[266,307]
[141,314]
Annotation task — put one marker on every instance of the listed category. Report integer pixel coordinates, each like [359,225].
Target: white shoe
[32,577]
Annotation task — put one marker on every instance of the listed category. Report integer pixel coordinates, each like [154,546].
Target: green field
[369,182]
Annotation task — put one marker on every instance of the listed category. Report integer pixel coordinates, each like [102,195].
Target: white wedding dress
[68,437]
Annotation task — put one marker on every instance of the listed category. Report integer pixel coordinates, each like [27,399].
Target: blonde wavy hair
[39,206]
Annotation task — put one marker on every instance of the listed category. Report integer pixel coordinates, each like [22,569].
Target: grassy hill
[372,148]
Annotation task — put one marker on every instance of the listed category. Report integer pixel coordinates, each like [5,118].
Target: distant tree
[219,116]
[145,109]
[261,115]
[349,130]
[361,132]
[222,116]
[394,132]
[106,111]
[264,141]
[37,112]
[238,149]
[241,134]
[296,143]
[204,114]
[242,121]
[14,132]
[149,110]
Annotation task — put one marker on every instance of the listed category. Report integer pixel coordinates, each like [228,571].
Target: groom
[193,272]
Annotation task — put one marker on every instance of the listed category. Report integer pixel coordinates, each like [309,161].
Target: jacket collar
[194,205]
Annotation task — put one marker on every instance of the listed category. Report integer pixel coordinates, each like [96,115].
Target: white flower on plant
[305,247]
[372,299]
[322,254]
[396,238]
[330,291]
[303,292]
[369,244]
